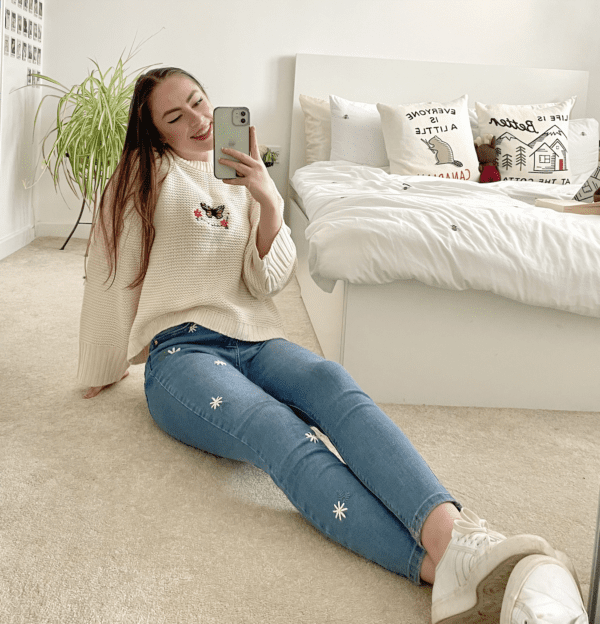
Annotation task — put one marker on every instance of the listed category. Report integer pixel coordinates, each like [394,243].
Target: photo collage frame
[23,35]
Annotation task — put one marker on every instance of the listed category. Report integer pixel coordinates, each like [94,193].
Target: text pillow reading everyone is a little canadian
[532,141]
[430,138]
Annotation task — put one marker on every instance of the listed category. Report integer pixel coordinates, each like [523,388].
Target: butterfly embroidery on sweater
[220,215]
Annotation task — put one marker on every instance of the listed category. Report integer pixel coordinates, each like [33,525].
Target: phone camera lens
[243,121]
[243,113]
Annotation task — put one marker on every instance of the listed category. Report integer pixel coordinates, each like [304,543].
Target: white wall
[243,50]
[18,148]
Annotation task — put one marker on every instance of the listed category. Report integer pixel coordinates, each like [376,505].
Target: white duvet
[370,227]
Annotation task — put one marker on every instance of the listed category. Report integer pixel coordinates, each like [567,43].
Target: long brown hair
[134,181]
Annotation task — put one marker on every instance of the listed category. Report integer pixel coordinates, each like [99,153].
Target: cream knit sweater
[204,268]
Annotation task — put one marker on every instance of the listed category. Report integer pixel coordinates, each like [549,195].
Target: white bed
[408,342]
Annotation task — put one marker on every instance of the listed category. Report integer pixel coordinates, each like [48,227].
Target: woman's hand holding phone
[256,178]
[253,173]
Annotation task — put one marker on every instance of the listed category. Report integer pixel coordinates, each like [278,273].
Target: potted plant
[91,122]
[268,156]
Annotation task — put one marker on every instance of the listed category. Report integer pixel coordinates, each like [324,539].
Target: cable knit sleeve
[268,275]
[109,309]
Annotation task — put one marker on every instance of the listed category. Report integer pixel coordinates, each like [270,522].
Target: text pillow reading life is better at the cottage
[532,141]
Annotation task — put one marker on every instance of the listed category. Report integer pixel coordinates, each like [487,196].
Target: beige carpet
[105,519]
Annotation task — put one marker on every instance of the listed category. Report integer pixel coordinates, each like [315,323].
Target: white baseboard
[61,230]
[15,241]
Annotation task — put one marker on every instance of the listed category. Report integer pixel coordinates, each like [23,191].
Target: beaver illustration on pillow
[442,150]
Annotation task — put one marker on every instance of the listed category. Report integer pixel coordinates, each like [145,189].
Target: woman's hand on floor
[95,390]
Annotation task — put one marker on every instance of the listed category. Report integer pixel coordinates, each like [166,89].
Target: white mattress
[370,227]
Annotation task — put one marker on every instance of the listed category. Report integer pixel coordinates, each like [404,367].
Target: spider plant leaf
[85,144]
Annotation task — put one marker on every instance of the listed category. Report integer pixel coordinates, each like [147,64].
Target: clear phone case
[231,128]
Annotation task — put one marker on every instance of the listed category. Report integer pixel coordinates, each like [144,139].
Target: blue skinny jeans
[257,401]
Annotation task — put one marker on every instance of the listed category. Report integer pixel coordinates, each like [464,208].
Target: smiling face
[183,116]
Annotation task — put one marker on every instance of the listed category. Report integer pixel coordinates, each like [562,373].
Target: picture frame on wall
[6,45]
[13,45]
[13,21]
[7,20]
[24,56]
[19,24]
[26,5]
[40,9]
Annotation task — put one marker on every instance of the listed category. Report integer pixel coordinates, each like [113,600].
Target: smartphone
[231,128]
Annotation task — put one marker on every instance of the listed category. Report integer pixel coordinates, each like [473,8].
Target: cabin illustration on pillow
[547,153]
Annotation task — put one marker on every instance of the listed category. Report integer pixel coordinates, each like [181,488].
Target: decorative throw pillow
[532,140]
[584,135]
[317,128]
[356,133]
[430,138]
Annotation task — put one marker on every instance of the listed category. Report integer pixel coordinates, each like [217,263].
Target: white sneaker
[542,590]
[471,576]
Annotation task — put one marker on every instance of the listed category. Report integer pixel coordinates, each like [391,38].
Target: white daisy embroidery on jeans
[220,363]
[174,350]
[193,328]
[312,437]
[216,402]
[339,510]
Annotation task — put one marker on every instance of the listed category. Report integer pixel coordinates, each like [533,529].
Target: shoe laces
[479,537]
[475,531]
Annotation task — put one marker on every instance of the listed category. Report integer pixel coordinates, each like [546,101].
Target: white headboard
[390,81]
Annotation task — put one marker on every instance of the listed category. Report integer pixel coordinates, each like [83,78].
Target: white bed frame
[409,343]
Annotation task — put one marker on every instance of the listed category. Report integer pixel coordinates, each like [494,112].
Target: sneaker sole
[480,599]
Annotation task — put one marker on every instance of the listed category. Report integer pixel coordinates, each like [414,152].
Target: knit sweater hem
[210,319]
[275,266]
[100,365]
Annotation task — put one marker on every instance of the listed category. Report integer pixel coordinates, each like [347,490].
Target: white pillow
[317,128]
[474,122]
[356,133]
[532,140]
[430,138]
[584,135]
